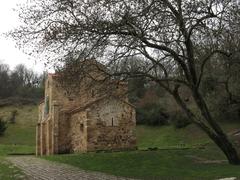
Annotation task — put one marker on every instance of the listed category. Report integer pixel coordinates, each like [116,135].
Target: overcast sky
[9,54]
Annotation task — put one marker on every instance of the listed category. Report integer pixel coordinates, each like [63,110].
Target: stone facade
[86,121]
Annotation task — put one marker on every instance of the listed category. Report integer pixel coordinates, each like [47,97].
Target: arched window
[46,109]
[92,93]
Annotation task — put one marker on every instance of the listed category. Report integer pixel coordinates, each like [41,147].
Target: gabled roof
[81,108]
[53,74]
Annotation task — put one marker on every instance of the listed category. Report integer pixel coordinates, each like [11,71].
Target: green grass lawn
[169,137]
[169,162]
[19,138]
[166,164]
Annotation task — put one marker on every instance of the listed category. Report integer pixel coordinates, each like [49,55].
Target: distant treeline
[20,84]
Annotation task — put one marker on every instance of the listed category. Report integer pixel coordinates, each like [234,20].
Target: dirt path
[36,168]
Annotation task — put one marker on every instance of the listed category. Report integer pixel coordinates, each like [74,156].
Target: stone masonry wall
[57,93]
[43,139]
[112,126]
[78,131]
[88,121]
[64,140]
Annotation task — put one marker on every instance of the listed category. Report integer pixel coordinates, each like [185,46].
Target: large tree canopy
[173,38]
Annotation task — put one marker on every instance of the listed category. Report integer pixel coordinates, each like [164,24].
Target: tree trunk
[214,131]
[219,137]
[226,146]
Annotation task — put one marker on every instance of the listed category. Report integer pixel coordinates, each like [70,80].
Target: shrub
[151,114]
[3,126]
[180,120]
[13,115]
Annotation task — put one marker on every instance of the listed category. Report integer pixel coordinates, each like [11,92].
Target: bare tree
[174,37]
[4,80]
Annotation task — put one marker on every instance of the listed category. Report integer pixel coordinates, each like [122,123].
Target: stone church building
[88,120]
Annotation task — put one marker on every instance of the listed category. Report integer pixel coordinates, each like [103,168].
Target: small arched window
[92,93]
[81,127]
[46,109]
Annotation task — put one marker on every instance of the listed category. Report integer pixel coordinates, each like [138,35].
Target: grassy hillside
[169,137]
[22,133]
[199,159]
[19,138]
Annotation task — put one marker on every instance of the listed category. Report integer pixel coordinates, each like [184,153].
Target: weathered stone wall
[55,126]
[40,112]
[43,139]
[64,140]
[111,126]
[50,132]
[78,131]
[87,121]
[89,94]
[56,93]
